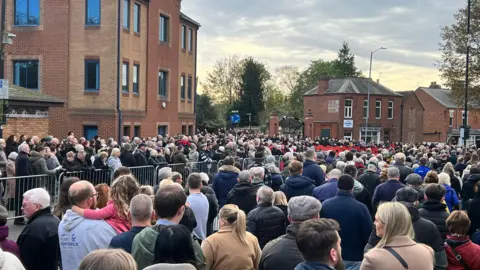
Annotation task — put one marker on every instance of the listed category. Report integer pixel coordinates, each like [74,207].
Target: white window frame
[348,110]
[184,37]
[345,137]
[365,108]
[190,39]
[450,120]
[378,105]
[125,66]
[390,108]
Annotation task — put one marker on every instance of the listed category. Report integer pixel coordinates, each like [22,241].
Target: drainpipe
[196,82]
[401,122]
[119,110]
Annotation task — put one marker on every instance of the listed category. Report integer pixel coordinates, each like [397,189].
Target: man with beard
[79,236]
[319,242]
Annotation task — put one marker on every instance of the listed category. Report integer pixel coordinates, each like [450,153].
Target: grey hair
[204,177]
[257,172]
[141,208]
[393,172]
[400,158]
[371,167]
[265,194]
[335,173]
[272,168]
[39,196]
[341,165]
[244,176]
[23,147]
[164,173]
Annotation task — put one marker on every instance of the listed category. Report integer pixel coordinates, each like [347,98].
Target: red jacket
[469,251]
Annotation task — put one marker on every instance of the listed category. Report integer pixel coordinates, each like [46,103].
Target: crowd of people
[347,206]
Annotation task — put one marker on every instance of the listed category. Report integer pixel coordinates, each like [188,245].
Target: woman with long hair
[456,184]
[232,247]
[63,203]
[396,250]
[103,195]
[280,201]
[11,145]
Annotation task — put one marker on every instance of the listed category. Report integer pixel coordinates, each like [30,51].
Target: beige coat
[417,256]
[10,182]
[223,251]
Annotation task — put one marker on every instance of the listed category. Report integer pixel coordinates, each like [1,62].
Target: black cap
[406,194]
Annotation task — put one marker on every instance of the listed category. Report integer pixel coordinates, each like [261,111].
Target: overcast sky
[294,32]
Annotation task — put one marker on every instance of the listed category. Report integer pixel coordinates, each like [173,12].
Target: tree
[208,116]
[252,87]
[453,61]
[345,62]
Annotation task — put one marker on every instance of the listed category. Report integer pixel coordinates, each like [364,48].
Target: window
[190,130]
[378,109]
[365,108]
[25,74]
[126,131]
[136,18]
[182,87]
[189,91]
[136,131]
[92,75]
[463,117]
[126,14]
[184,37]
[450,121]
[164,24]
[162,130]
[390,110]
[190,39]
[125,77]
[92,12]
[163,83]
[184,130]
[27,12]
[347,136]
[348,108]
[136,75]
[372,136]
[90,131]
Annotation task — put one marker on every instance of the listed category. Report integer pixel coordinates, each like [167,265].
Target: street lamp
[369,86]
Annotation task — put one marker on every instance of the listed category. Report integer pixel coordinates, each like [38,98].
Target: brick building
[411,128]
[111,84]
[337,108]
[443,118]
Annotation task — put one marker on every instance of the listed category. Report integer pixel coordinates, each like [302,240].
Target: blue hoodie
[314,172]
[297,185]
[79,236]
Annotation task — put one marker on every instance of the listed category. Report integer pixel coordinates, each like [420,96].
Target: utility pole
[466,129]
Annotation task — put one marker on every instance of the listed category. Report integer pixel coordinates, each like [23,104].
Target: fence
[146,175]
[95,177]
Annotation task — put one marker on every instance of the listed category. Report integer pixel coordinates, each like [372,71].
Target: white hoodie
[8,261]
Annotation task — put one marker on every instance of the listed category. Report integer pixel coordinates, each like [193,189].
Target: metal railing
[146,175]
[95,177]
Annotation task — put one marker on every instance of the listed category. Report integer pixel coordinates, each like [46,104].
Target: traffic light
[467,132]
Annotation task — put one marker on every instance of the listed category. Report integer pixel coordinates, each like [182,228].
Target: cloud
[294,32]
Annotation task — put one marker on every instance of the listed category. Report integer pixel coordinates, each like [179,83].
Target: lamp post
[466,129]
[368,93]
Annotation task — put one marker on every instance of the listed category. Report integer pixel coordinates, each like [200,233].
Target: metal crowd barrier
[146,175]
[95,177]
[181,168]
[248,162]
[14,188]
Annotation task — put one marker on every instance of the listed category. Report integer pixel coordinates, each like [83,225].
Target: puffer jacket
[282,253]
[436,212]
[297,185]
[224,181]
[266,222]
[469,251]
[244,195]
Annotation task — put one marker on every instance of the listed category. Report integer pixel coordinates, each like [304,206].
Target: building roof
[188,19]
[17,93]
[441,95]
[355,86]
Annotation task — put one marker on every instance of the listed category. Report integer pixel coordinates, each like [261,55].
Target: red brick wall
[413,114]
[28,126]
[435,118]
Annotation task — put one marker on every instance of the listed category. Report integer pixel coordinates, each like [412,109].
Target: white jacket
[8,261]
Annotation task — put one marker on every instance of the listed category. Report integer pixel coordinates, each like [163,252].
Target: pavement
[14,230]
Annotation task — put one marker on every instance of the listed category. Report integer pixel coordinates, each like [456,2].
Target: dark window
[390,110]
[27,12]
[162,130]
[189,92]
[136,131]
[126,14]
[92,75]
[90,131]
[25,74]
[365,108]
[136,18]
[184,130]
[163,83]
[184,37]
[126,131]
[136,76]
[125,77]
[164,24]
[190,39]
[378,109]
[190,130]
[182,87]
[93,12]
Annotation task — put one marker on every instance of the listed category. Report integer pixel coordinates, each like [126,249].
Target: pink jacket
[110,214]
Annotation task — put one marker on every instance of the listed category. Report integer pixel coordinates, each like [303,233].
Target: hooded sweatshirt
[79,236]
[362,195]
[298,185]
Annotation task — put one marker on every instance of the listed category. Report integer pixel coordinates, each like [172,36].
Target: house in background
[411,127]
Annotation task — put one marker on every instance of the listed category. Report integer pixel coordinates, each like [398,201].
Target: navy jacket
[313,266]
[224,181]
[23,167]
[355,223]
[326,191]
[386,192]
[125,240]
[314,172]
[297,185]
[277,181]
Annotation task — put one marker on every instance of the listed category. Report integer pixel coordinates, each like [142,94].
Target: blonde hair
[153,153]
[113,259]
[235,217]
[449,169]
[444,178]
[397,222]
[115,152]
[146,189]
[166,182]
[103,155]
[279,198]
[123,189]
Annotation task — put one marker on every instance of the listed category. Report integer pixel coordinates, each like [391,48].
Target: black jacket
[282,253]
[266,222]
[127,159]
[298,185]
[474,214]
[277,181]
[23,167]
[404,171]
[99,165]
[38,242]
[140,158]
[436,213]
[244,195]
[370,180]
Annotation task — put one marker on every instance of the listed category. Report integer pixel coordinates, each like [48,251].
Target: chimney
[322,87]
[434,85]
[378,81]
